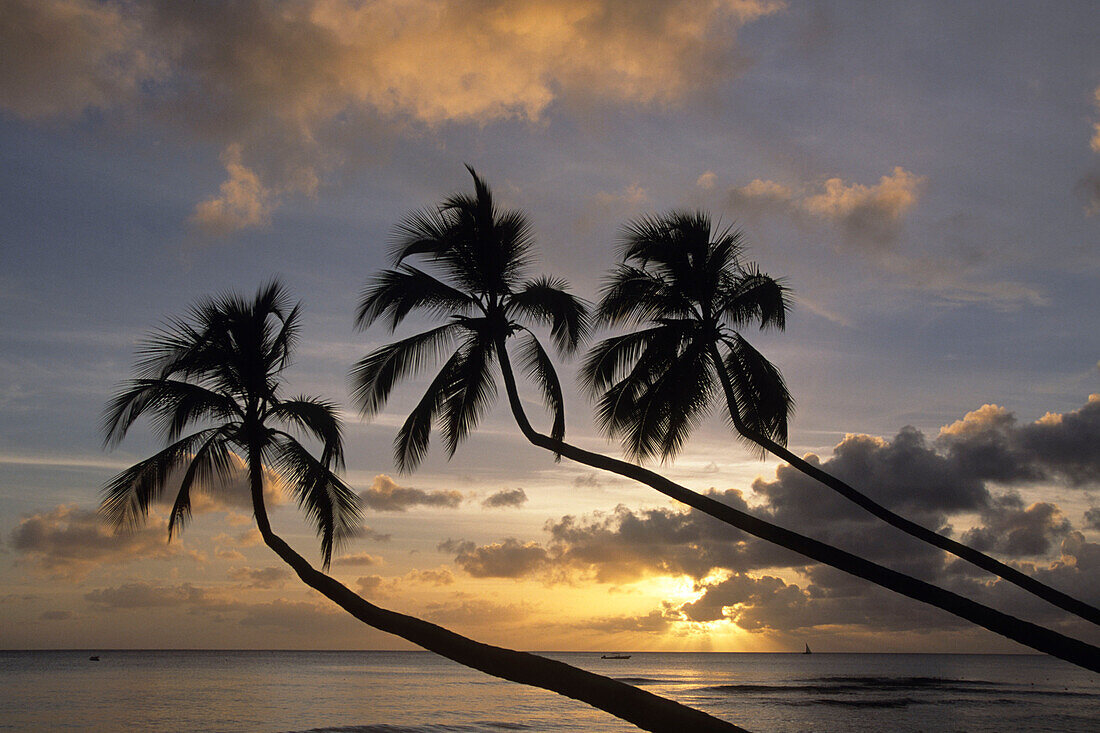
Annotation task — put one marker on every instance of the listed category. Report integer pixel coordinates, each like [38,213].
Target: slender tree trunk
[1023,632]
[980,559]
[643,709]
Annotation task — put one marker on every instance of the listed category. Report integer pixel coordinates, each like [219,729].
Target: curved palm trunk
[980,559]
[1023,632]
[643,709]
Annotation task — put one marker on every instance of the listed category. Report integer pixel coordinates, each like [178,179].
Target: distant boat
[615,656]
[807,650]
[93,659]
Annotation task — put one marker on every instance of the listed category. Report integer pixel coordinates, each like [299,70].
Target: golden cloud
[868,214]
[242,201]
[273,80]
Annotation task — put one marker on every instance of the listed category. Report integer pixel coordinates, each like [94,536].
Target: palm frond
[411,443]
[396,293]
[611,359]
[210,462]
[473,392]
[127,496]
[175,404]
[421,232]
[546,301]
[330,505]
[374,376]
[753,297]
[762,400]
[539,369]
[319,419]
[686,390]
[634,295]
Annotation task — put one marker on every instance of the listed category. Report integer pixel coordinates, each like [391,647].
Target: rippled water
[416,692]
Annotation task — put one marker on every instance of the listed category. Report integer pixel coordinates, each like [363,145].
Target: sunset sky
[925,176]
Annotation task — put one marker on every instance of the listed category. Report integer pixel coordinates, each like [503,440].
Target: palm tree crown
[479,256]
[683,284]
[221,367]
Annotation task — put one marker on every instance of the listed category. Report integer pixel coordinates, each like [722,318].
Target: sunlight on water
[415,692]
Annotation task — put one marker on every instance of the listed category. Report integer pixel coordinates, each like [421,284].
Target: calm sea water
[417,692]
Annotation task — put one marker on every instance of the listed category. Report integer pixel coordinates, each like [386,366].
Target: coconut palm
[480,256]
[222,367]
[684,287]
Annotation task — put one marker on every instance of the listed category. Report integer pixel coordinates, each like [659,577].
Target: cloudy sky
[926,177]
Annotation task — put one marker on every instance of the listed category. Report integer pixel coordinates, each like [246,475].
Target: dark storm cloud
[990,444]
[1013,530]
[930,482]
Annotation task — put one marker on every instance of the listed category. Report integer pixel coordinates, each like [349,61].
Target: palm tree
[481,254]
[683,284]
[222,367]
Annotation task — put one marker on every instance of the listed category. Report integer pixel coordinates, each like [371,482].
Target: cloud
[1092,518]
[70,541]
[654,622]
[385,495]
[145,595]
[505,498]
[242,202]
[372,586]
[706,180]
[286,80]
[507,559]
[1088,188]
[1094,143]
[290,615]
[359,559]
[63,56]
[1010,529]
[989,442]
[476,613]
[272,577]
[752,603]
[436,577]
[868,215]
[55,615]
[752,584]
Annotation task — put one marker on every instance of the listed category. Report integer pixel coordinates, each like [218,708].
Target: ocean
[418,692]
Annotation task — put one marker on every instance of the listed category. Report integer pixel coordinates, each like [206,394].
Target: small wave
[885,702]
[828,685]
[639,680]
[480,726]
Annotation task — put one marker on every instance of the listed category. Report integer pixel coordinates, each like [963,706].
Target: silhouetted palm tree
[222,367]
[481,254]
[684,285]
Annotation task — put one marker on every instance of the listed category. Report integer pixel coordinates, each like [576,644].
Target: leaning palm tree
[683,285]
[222,367]
[479,256]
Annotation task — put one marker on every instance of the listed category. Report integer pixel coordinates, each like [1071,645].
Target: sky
[924,176]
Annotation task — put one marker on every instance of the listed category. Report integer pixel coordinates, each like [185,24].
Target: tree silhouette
[481,255]
[221,366]
[683,285]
